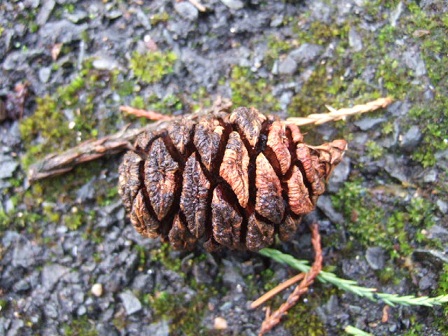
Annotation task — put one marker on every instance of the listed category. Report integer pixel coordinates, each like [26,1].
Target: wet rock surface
[71,263]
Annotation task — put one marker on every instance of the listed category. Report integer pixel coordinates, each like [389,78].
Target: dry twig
[151,115]
[273,319]
[56,164]
[333,115]
[274,291]
[198,5]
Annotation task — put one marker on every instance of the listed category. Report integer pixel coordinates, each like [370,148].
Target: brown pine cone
[232,180]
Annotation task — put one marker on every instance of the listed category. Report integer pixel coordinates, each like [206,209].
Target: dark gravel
[48,267]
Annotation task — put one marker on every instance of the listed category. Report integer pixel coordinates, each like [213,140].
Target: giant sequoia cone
[231,180]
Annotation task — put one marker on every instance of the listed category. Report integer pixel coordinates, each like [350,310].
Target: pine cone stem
[272,320]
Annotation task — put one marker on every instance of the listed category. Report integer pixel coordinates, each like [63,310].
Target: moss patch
[80,327]
[151,67]
[78,98]
[184,316]
[396,228]
[302,320]
[249,91]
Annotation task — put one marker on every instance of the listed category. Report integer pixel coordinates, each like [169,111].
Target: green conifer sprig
[352,286]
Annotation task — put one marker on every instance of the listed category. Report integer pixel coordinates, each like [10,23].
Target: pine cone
[232,180]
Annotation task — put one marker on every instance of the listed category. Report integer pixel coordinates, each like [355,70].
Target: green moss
[247,90]
[120,322]
[443,290]
[374,150]
[201,99]
[161,17]
[80,327]
[151,67]
[74,219]
[276,47]
[162,255]
[434,124]
[320,89]
[416,329]
[109,194]
[184,316]
[321,33]
[142,256]
[3,304]
[396,229]
[395,78]
[302,320]
[50,123]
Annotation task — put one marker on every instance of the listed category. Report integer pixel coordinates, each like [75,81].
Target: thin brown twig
[333,115]
[151,115]
[274,319]
[274,291]
[59,163]
[198,5]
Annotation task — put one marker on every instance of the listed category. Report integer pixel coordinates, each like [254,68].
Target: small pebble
[220,323]
[97,289]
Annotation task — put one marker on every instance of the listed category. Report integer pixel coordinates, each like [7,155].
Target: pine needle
[320,118]
[355,331]
[352,287]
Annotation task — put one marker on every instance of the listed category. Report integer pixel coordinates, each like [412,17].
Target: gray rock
[142,18]
[437,231]
[332,305]
[51,275]
[45,11]
[77,16]
[231,277]
[395,167]
[443,206]
[4,325]
[325,205]
[306,54]
[70,298]
[105,63]
[276,20]
[186,10]
[340,175]
[130,302]
[16,326]
[411,138]
[376,258]
[22,285]
[10,136]
[62,31]
[430,176]
[426,282]
[157,329]
[413,60]
[32,3]
[434,257]
[24,253]
[7,166]
[143,283]
[368,123]
[233,4]
[51,310]
[354,40]
[395,14]
[44,74]
[86,192]
[108,329]
[287,66]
